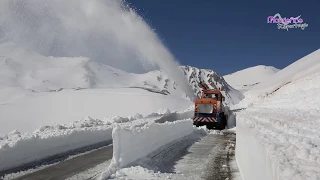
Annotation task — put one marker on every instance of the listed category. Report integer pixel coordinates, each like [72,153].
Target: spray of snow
[108,31]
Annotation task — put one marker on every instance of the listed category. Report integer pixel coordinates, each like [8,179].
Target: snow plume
[108,31]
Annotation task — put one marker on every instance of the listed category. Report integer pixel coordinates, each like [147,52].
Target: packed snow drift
[278,133]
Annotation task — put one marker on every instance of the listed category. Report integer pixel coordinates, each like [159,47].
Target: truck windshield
[215,96]
[205,108]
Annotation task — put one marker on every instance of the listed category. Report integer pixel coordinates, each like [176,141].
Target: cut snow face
[130,144]
[245,79]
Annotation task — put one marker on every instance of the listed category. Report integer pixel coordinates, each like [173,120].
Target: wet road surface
[72,166]
[197,156]
[218,166]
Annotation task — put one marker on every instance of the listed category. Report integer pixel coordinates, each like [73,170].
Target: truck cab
[209,110]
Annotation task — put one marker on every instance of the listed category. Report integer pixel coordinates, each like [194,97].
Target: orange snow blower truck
[209,109]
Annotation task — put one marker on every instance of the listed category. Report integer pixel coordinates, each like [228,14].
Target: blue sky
[227,36]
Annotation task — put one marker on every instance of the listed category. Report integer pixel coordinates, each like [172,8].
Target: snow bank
[251,156]
[300,69]
[278,138]
[17,149]
[130,144]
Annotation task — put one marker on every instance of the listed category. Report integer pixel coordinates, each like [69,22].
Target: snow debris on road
[138,172]
[92,173]
[133,143]
[164,111]
[278,134]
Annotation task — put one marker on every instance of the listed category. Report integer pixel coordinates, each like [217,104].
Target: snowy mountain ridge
[28,70]
[245,79]
[213,80]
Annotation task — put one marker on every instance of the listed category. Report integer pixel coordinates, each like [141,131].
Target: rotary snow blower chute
[209,109]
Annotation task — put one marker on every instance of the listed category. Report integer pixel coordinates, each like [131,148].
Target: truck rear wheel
[224,120]
[197,124]
[210,126]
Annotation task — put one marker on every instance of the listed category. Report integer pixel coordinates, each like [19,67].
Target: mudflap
[210,125]
[215,125]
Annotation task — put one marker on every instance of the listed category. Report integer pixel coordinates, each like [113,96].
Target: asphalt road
[218,166]
[197,156]
[71,167]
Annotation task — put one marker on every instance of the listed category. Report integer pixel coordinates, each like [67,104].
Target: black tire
[220,127]
[223,120]
[197,124]
[209,126]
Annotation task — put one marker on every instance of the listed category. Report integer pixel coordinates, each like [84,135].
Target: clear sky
[227,36]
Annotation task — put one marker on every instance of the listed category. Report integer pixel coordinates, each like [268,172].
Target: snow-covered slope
[302,68]
[28,70]
[36,90]
[48,90]
[27,111]
[249,77]
[281,124]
